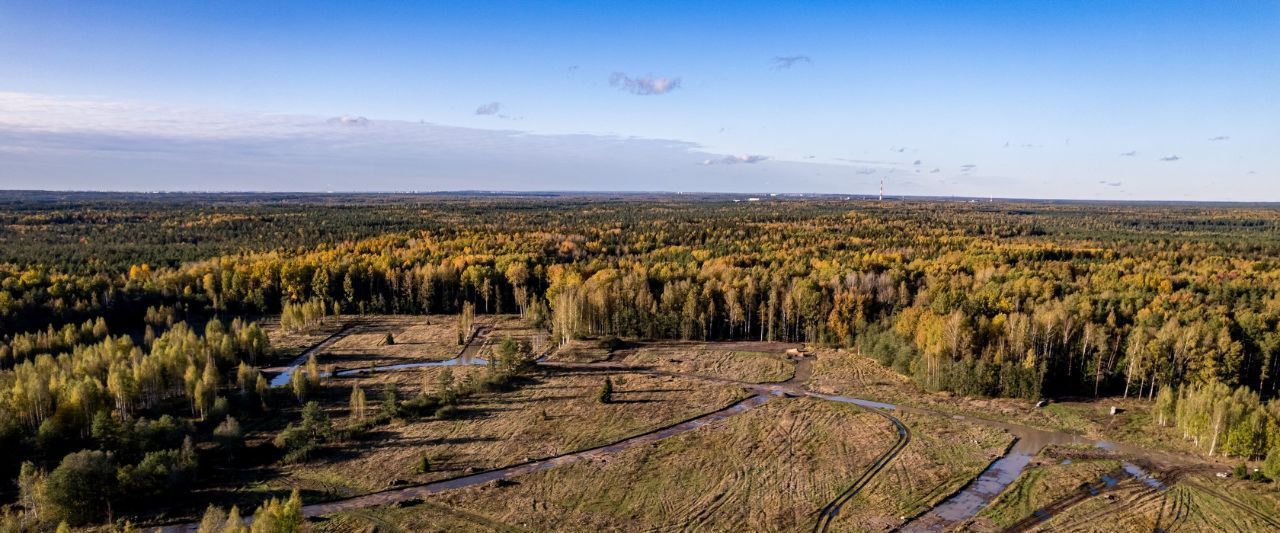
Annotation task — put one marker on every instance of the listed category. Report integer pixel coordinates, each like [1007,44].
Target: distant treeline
[1019,300]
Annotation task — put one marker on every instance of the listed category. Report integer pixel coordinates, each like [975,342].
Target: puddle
[391,368]
[856,401]
[284,377]
[974,497]
[1136,472]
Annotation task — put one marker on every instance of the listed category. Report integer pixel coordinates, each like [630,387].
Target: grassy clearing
[416,338]
[554,414]
[752,362]
[1052,476]
[844,372]
[580,351]
[1196,503]
[943,456]
[285,345]
[420,517]
[516,328]
[768,469]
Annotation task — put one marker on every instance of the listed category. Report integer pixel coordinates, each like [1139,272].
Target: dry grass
[579,351]
[1050,477]
[844,372]
[943,455]
[285,345]
[516,328]
[752,362]
[769,469]
[1198,503]
[417,338]
[554,414]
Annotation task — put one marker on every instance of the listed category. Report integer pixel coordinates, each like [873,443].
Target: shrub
[606,391]
[1271,467]
[80,489]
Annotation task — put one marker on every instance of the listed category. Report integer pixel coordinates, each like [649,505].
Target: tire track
[832,509]
[416,492]
[1269,520]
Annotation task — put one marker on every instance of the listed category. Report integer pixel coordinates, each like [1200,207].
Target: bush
[606,391]
[612,343]
[81,488]
[158,473]
[449,412]
[1271,467]
[421,405]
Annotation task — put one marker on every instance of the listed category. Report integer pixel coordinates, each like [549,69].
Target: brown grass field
[943,455]
[769,469]
[580,351]
[1053,475]
[752,362]
[417,338]
[554,414]
[1195,503]
[845,372]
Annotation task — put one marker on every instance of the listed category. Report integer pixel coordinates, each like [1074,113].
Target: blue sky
[1110,100]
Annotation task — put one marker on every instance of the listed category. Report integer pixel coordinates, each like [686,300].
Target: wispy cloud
[736,159]
[644,85]
[65,143]
[786,62]
[490,108]
[347,120]
[1220,138]
[1170,158]
[1130,153]
[1111,183]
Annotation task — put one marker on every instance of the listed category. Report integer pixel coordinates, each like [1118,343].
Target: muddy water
[456,361]
[282,379]
[466,357]
[973,498]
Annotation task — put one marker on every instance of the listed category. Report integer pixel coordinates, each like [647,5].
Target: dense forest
[1021,299]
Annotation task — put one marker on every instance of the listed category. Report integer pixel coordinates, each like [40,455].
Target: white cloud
[77,143]
[644,85]
[736,159]
[490,108]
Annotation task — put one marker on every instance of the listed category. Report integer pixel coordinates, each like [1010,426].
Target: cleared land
[943,455]
[553,414]
[1195,503]
[849,373]
[752,362]
[1055,474]
[580,351]
[416,338]
[769,469]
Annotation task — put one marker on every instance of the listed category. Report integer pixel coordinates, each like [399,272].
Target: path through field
[956,509]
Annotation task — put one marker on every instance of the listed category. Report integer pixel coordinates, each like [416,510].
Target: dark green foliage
[81,488]
[300,441]
[606,391]
[156,475]
[612,342]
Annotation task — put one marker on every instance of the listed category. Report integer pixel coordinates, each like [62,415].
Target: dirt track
[953,510]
